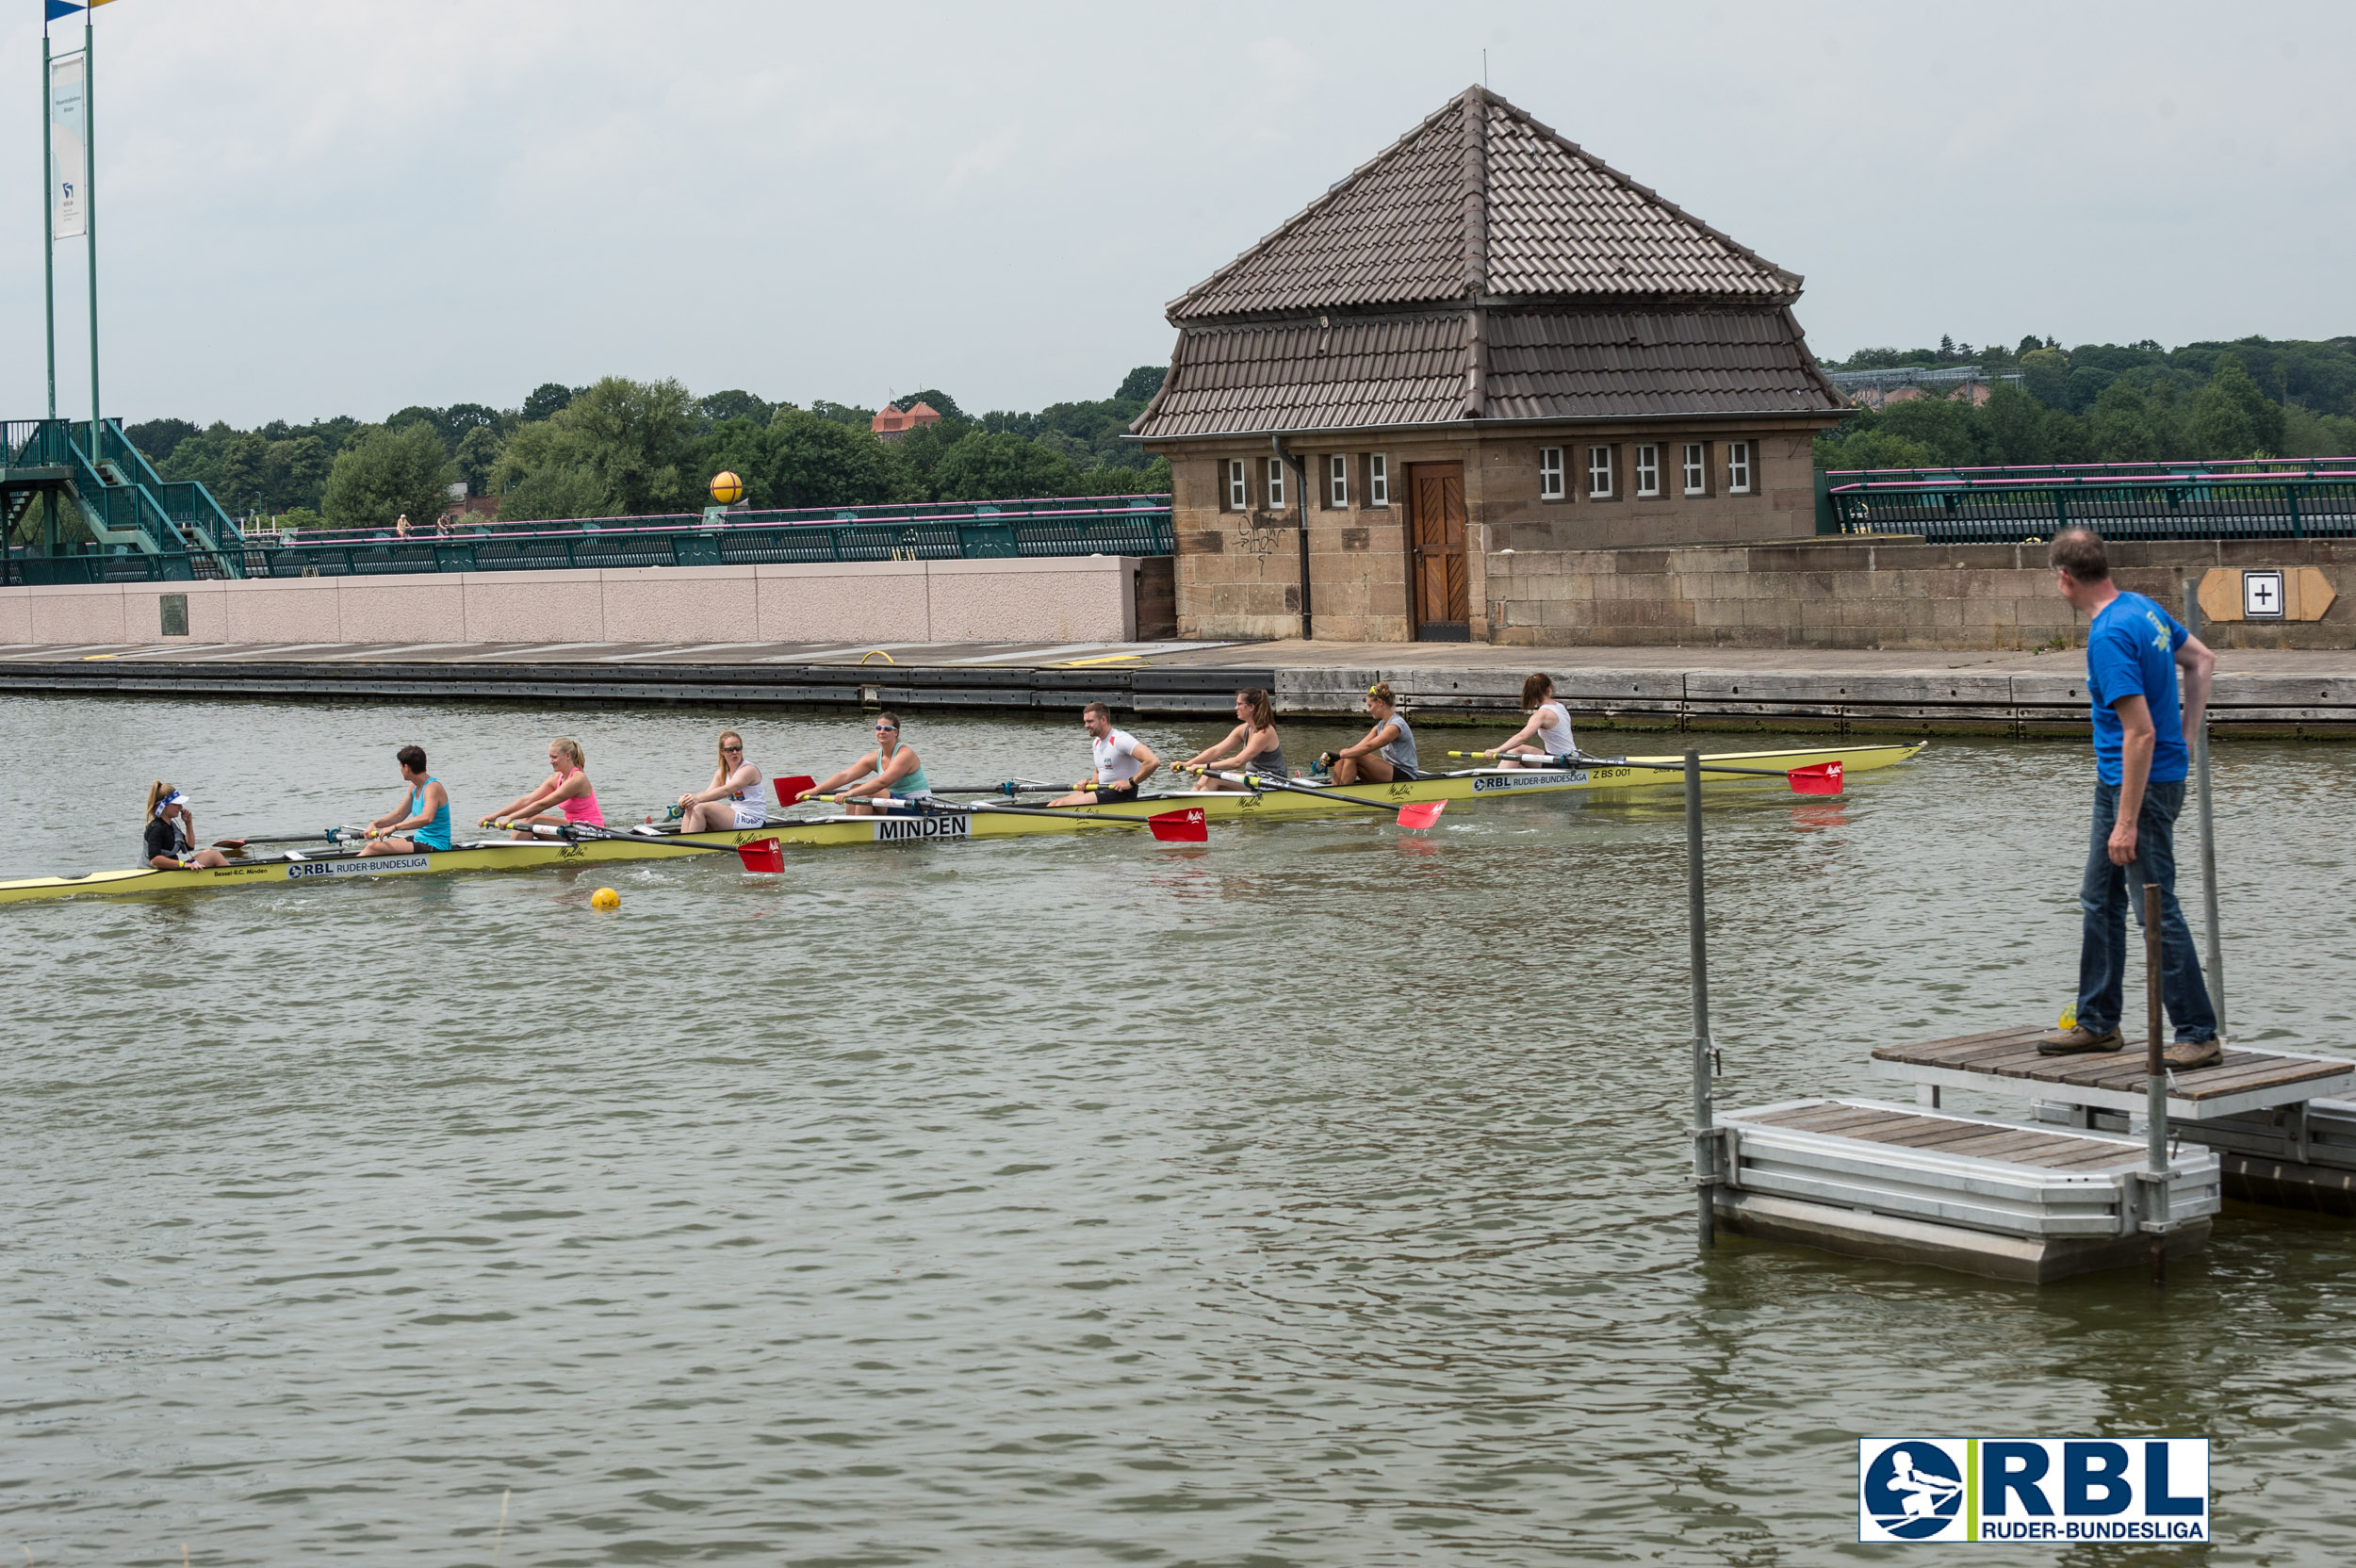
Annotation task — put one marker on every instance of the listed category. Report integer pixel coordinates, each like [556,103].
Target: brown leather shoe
[2191,1054]
[2070,1043]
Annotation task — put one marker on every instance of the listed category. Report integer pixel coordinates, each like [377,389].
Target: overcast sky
[308,209]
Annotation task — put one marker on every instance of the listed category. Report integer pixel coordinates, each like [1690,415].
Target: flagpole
[48,219]
[89,213]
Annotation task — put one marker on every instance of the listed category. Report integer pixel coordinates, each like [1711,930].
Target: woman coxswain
[565,796]
[421,821]
[891,769]
[1251,746]
[1549,725]
[733,802]
[1387,752]
[170,836]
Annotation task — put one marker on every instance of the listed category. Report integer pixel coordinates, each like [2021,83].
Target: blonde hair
[1381,691]
[571,749]
[155,791]
[725,736]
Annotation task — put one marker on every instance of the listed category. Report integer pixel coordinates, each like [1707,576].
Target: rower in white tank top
[1547,732]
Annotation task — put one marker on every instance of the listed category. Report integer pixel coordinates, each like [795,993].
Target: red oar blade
[1421,815]
[1180,828]
[1822,779]
[787,788]
[762,854]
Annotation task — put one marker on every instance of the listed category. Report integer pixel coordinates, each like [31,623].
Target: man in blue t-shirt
[2133,651]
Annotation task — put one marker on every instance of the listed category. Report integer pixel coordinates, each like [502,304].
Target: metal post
[2155,1088]
[1705,1175]
[89,214]
[2208,827]
[48,222]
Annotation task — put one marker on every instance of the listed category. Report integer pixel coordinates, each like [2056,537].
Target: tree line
[623,448]
[2102,403]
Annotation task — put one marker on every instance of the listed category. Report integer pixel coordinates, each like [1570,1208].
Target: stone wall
[1044,599]
[1239,572]
[1866,593]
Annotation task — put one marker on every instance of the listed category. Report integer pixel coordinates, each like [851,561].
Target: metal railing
[484,551]
[2250,499]
[898,512]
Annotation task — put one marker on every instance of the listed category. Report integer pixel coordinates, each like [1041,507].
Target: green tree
[1941,426]
[714,408]
[632,440]
[478,455]
[2120,429]
[2012,427]
[546,400]
[157,439]
[984,466]
[814,461]
[941,402]
[2047,374]
[386,474]
[554,491]
[1140,384]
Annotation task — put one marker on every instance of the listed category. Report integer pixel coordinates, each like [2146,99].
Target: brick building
[892,422]
[1483,344]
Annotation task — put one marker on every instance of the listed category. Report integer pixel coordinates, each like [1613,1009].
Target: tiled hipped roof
[1482,266]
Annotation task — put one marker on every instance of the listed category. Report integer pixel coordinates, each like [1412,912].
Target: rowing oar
[1817,779]
[1186,825]
[759,854]
[1005,787]
[1420,815]
[332,835]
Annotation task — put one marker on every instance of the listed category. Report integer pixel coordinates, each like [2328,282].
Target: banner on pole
[69,146]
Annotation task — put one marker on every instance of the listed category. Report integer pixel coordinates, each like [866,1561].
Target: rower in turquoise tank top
[910,786]
[435,834]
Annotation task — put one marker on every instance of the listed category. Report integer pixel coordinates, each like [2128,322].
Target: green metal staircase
[122,501]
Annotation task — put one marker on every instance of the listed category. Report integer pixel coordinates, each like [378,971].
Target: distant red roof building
[891,423]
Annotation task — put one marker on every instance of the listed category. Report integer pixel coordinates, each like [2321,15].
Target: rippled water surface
[1313,1196]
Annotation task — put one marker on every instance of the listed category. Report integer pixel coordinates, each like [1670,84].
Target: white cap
[174,798]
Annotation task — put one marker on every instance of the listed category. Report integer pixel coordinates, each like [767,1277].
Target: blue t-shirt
[2131,651]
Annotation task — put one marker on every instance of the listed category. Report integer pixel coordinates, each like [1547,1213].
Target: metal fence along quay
[2252,500]
[146,528]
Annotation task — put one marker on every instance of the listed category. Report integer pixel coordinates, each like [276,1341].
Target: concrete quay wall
[1874,593]
[1054,598]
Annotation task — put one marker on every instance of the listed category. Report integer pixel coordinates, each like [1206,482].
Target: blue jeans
[2106,895]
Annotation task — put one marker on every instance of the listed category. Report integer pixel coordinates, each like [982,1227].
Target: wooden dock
[1967,1193]
[2281,1135]
[2007,1062]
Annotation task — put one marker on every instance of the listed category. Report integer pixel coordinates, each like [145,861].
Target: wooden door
[1438,587]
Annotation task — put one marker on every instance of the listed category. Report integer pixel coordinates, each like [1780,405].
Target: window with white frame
[1737,467]
[1238,490]
[1378,481]
[1599,472]
[1550,474]
[1648,470]
[1696,467]
[1337,482]
[1276,484]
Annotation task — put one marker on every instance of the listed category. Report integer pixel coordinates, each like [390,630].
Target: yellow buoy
[2070,1016]
[727,489]
[605,898]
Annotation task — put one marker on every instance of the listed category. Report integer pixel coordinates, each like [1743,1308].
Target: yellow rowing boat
[981,821]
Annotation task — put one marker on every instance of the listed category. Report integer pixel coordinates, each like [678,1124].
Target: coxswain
[891,769]
[1387,752]
[565,796]
[731,803]
[1251,746]
[421,821]
[1549,724]
[1123,762]
[171,833]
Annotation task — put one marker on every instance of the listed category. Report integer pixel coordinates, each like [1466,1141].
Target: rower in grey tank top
[1399,750]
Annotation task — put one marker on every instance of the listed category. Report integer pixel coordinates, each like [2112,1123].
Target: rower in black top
[171,833]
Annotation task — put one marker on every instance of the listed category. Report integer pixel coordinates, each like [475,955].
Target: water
[1315,1196]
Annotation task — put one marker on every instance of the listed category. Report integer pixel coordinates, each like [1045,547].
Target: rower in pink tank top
[583,806]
